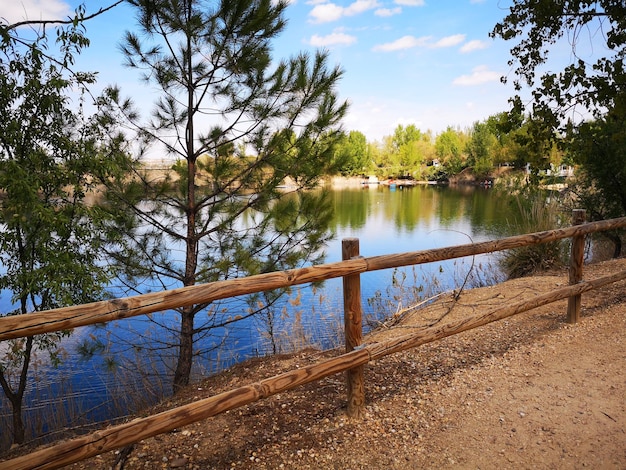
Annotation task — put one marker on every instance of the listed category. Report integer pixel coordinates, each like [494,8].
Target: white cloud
[405,42]
[408,42]
[411,3]
[360,6]
[474,45]
[384,12]
[450,41]
[479,75]
[332,39]
[14,11]
[327,12]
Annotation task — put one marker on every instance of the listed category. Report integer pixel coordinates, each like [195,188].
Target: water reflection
[420,217]
[385,221]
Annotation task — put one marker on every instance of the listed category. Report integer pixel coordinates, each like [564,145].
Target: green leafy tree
[412,148]
[481,148]
[500,126]
[239,124]
[382,155]
[450,150]
[352,154]
[51,157]
[599,146]
[534,145]
[590,82]
[404,135]
[406,149]
[589,88]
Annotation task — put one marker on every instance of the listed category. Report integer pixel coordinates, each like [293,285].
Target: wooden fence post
[576,267]
[352,315]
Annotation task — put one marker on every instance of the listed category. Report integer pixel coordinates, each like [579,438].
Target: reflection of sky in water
[384,221]
[5,301]
[421,229]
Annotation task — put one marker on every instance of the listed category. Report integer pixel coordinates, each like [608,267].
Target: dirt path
[527,392]
[559,402]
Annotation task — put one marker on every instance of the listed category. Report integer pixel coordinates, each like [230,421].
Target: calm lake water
[384,220]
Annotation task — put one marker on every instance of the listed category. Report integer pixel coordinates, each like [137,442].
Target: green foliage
[404,154]
[405,135]
[412,149]
[450,150]
[599,148]
[533,211]
[481,149]
[587,86]
[51,158]
[503,138]
[382,156]
[590,81]
[352,154]
[592,85]
[239,125]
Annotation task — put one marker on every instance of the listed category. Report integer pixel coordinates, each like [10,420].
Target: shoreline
[510,394]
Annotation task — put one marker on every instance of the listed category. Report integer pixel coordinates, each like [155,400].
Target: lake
[127,366]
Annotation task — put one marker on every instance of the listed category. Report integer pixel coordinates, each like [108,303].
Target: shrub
[535,211]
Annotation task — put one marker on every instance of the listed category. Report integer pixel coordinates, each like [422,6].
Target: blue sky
[425,62]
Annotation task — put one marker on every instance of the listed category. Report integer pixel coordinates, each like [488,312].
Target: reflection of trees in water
[426,206]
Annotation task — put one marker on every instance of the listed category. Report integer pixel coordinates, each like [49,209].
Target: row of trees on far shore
[501,139]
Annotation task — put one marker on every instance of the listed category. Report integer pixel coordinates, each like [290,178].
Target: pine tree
[238,125]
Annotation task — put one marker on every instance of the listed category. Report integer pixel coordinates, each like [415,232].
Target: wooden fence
[356,356]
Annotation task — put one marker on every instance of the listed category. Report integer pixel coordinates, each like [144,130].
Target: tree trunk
[17,397]
[186,340]
[16,408]
[185,353]
[18,423]
[617,243]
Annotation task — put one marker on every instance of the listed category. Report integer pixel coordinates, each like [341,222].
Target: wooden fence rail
[356,356]
[100,312]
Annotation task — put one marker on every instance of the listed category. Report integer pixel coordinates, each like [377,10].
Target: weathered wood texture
[71,317]
[99,312]
[142,428]
[353,324]
[576,267]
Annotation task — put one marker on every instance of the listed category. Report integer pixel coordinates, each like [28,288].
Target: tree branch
[60,22]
